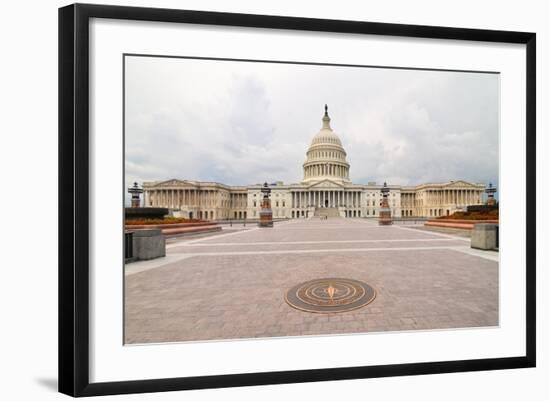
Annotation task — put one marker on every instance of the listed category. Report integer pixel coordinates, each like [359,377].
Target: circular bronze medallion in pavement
[330,295]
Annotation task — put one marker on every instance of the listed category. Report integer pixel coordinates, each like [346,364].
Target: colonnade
[438,202]
[177,198]
[326,169]
[304,199]
[460,197]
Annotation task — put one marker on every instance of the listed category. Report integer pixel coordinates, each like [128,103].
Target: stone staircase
[326,212]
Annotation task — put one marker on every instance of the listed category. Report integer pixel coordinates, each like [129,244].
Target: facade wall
[213,201]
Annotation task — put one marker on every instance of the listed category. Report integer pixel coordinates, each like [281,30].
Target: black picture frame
[74,198]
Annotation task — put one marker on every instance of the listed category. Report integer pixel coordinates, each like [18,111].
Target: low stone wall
[178,229]
[485,236]
[146,245]
[163,226]
[191,230]
[456,223]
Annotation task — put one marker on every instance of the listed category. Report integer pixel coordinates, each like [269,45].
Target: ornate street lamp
[135,191]
[490,191]
[384,218]
[266,214]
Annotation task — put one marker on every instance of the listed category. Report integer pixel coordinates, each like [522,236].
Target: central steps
[326,212]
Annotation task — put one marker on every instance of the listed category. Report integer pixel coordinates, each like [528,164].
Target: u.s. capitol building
[325,189]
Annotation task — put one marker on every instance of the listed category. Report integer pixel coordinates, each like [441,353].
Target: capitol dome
[326,157]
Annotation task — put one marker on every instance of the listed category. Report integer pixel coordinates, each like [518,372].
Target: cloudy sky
[242,123]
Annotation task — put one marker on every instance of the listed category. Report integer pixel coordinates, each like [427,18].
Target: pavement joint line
[359,241]
[435,233]
[138,267]
[333,250]
[211,237]
[489,255]
[145,265]
[246,230]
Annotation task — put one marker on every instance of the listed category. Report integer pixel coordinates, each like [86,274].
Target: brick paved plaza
[233,284]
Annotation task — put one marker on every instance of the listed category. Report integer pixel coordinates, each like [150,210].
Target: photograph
[267,199]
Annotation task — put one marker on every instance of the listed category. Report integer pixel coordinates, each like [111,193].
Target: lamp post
[384,218]
[135,191]
[490,191]
[266,214]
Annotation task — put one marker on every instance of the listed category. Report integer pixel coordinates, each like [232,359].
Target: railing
[128,245]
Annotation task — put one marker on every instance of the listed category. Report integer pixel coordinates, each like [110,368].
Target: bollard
[485,236]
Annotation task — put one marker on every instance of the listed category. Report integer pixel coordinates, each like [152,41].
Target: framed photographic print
[251,199]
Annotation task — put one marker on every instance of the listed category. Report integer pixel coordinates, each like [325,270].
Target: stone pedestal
[384,218]
[485,236]
[384,215]
[266,218]
[266,214]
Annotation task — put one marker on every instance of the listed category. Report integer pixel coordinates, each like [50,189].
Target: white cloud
[243,122]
